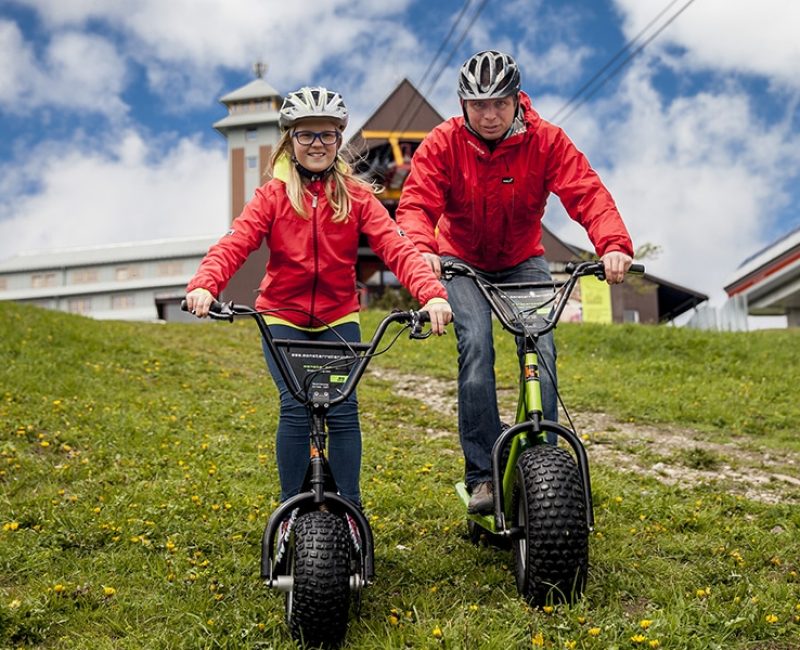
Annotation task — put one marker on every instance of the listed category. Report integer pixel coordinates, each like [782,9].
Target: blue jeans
[478,415]
[293,441]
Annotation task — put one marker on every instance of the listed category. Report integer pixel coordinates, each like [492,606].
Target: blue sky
[106,108]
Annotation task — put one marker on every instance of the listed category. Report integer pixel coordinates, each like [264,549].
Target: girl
[311,215]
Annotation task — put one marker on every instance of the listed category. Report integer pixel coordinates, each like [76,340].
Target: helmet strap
[308,174]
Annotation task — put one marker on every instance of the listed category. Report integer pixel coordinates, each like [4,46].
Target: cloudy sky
[106,107]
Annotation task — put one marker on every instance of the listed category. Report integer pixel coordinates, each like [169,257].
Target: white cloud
[748,37]
[78,71]
[182,44]
[125,193]
[16,63]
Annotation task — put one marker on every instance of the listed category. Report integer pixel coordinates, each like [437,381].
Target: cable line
[621,65]
[407,120]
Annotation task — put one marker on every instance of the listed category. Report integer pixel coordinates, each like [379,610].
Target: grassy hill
[137,473]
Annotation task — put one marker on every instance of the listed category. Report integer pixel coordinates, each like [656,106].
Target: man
[476,193]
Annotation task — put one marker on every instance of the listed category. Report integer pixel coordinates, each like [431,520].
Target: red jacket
[312,261]
[485,207]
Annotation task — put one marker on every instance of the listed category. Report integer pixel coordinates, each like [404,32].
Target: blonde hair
[338,184]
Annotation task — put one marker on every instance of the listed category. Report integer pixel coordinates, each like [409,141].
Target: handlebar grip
[424,317]
[636,268]
[215,307]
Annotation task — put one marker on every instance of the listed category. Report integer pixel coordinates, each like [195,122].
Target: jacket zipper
[315,248]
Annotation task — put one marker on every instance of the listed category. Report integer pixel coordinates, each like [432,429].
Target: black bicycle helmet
[312,102]
[488,75]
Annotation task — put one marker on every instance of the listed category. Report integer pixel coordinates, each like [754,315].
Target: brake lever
[416,328]
[417,333]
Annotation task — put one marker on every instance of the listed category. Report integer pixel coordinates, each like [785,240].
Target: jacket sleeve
[397,251]
[247,232]
[424,193]
[585,198]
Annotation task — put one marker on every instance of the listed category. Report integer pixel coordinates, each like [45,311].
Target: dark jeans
[478,415]
[293,439]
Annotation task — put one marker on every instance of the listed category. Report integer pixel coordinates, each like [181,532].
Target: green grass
[137,473]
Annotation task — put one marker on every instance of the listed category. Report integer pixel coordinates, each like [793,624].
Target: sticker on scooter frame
[284,533]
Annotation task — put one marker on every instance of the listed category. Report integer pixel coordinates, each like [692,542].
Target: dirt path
[669,454]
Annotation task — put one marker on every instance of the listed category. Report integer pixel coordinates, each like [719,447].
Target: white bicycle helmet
[488,75]
[316,102]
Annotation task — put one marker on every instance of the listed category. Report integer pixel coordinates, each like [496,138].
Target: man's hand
[440,313]
[198,301]
[616,263]
[435,263]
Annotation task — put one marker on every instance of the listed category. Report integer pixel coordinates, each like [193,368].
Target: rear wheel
[551,549]
[317,607]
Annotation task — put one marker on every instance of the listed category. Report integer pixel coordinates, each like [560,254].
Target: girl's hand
[198,301]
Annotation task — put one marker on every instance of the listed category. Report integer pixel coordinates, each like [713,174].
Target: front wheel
[317,607]
[551,548]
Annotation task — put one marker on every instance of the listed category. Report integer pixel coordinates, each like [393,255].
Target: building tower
[251,129]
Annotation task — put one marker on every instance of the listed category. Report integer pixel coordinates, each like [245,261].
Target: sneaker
[482,501]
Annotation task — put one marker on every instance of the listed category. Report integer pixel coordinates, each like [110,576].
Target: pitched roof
[108,254]
[405,110]
[256,89]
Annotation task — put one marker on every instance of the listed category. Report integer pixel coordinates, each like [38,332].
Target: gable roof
[404,110]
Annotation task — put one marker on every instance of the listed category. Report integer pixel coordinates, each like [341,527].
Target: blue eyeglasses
[306,138]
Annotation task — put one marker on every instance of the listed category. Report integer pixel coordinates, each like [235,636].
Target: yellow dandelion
[170,546]
[645,623]
[570,645]
[638,638]
[548,609]
[11,525]
[210,622]
[594,631]
[59,588]
[618,499]
[581,619]
[538,640]
[655,643]
[437,632]
[109,591]
[771,619]
[44,443]
[14,604]
[775,561]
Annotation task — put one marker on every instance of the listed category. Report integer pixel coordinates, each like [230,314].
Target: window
[3,284]
[79,305]
[630,316]
[252,162]
[84,276]
[123,301]
[250,134]
[170,268]
[41,280]
[126,273]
